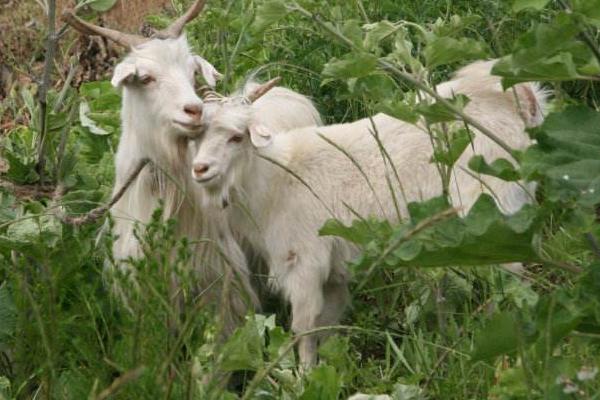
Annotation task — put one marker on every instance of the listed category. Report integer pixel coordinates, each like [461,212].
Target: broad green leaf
[458,143]
[243,350]
[588,9]
[377,32]
[403,52]
[353,65]
[374,87]
[436,112]
[484,236]
[86,122]
[568,153]
[18,171]
[99,110]
[500,168]
[268,13]
[519,5]
[360,232]
[323,384]
[549,52]
[398,109]
[32,230]
[278,340]
[352,30]
[101,5]
[336,352]
[447,50]
[499,336]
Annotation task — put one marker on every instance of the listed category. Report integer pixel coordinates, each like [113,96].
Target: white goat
[160,113]
[240,160]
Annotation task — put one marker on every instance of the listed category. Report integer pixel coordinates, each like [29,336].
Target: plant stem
[51,44]
[97,213]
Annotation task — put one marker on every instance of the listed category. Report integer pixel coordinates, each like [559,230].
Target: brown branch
[98,212]
[51,44]
[121,381]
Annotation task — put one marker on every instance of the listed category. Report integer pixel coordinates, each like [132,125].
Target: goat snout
[193,110]
[201,169]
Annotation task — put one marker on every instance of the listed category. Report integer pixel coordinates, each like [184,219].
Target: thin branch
[51,44]
[98,212]
[593,244]
[434,219]
[119,382]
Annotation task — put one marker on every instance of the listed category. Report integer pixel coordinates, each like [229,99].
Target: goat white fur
[275,212]
[160,112]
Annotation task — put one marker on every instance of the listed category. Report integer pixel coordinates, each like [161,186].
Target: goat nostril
[200,169]
[193,110]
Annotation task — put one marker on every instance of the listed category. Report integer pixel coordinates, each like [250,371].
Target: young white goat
[240,162]
[160,113]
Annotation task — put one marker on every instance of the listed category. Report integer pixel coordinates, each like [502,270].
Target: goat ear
[209,72]
[260,135]
[124,72]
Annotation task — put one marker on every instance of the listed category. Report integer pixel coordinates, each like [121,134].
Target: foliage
[432,317]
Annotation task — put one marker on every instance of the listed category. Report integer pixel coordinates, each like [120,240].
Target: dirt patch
[23,27]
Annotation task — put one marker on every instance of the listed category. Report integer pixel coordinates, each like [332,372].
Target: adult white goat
[240,160]
[160,113]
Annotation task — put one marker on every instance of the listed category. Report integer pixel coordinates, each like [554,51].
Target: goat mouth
[194,127]
[206,179]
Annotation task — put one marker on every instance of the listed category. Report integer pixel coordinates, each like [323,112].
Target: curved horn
[121,38]
[174,30]
[261,90]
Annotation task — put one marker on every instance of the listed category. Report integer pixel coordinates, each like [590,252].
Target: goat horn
[174,30]
[208,94]
[262,89]
[121,38]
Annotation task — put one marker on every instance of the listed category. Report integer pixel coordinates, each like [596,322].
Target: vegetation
[433,315]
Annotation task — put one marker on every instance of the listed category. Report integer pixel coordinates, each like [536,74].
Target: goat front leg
[307,304]
[302,284]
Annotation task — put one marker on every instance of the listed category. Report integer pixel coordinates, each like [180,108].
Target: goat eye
[236,139]
[146,79]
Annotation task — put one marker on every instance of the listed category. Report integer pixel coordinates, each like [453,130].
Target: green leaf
[589,10]
[398,109]
[243,350]
[447,50]
[360,232]
[268,13]
[459,141]
[568,152]
[548,52]
[484,236]
[336,352]
[437,112]
[99,110]
[500,168]
[377,32]
[519,5]
[353,65]
[101,5]
[323,384]
[278,340]
[498,337]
